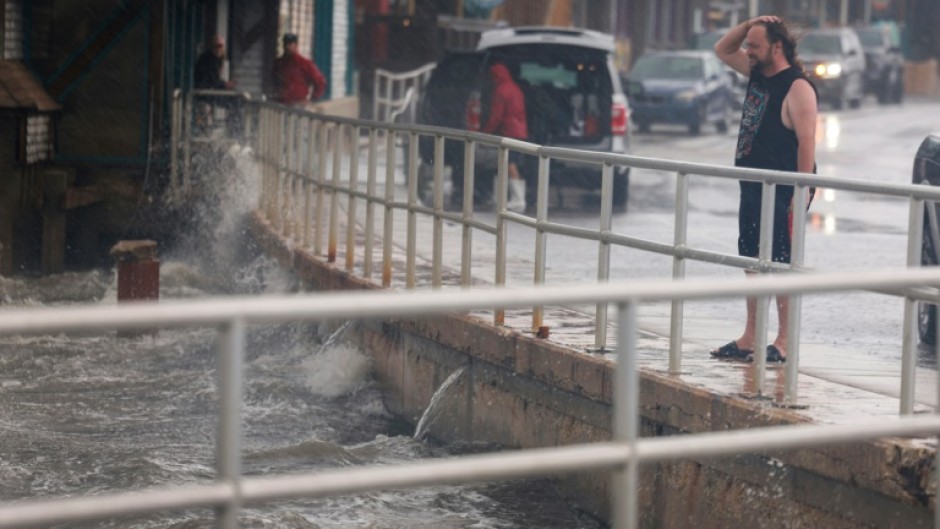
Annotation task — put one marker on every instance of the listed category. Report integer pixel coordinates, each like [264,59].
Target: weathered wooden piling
[138,270]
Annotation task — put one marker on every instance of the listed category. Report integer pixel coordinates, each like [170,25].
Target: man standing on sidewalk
[778,131]
[296,79]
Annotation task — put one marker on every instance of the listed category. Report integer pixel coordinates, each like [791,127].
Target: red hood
[500,74]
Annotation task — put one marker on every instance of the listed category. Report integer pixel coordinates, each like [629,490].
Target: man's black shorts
[749,221]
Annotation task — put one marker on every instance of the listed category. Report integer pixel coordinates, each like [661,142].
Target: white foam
[337,370]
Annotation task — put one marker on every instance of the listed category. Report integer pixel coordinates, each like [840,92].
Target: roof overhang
[21,90]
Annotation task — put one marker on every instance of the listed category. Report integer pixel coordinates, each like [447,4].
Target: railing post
[412,243]
[376,86]
[541,237]
[370,204]
[469,171]
[389,211]
[324,140]
[278,161]
[231,354]
[499,315]
[626,411]
[334,192]
[795,307]
[915,240]
[351,198]
[603,253]
[680,238]
[313,130]
[765,255]
[270,162]
[290,229]
[438,243]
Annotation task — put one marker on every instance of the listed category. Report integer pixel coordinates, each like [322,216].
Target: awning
[19,89]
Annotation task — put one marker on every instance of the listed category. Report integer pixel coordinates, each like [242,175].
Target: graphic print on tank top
[755,106]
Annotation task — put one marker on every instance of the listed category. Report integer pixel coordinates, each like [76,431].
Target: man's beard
[760,65]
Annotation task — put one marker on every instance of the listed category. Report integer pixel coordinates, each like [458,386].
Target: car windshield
[870,37]
[667,67]
[824,44]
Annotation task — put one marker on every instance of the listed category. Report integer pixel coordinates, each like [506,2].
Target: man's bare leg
[746,341]
[514,172]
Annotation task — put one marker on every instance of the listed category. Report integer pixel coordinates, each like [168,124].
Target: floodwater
[97,412]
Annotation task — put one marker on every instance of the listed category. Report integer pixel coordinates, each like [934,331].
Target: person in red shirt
[507,118]
[296,79]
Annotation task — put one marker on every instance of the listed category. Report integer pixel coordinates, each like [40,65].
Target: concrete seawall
[521,391]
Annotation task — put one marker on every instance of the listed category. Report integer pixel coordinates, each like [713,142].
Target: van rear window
[557,76]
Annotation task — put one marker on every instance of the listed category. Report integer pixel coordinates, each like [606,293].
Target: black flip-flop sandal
[731,351]
[774,356]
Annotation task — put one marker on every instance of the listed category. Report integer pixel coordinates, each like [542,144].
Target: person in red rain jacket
[296,78]
[508,118]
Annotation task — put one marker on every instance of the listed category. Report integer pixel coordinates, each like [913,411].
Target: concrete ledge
[520,391]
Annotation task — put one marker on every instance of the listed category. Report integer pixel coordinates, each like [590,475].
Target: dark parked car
[706,41]
[686,87]
[835,62]
[573,99]
[927,171]
[884,72]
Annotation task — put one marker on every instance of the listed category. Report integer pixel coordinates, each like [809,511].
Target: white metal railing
[622,455]
[395,93]
[285,182]
[204,117]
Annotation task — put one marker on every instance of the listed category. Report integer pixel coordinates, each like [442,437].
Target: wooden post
[138,270]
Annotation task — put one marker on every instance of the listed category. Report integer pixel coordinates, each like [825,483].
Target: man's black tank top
[763,141]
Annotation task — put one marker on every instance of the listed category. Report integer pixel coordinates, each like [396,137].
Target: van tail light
[473,113]
[619,119]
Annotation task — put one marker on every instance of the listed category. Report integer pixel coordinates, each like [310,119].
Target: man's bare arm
[801,108]
[728,48]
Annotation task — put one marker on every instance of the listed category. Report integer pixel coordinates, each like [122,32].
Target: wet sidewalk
[835,386]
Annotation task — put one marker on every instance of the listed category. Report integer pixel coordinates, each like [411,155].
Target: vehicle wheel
[927,312]
[722,124]
[838,103]
[898,95]
[886,90]
[695,126]
[884,94]
[643,126]
[621,188]
[927,323]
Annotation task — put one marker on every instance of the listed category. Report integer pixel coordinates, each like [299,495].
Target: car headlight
[829,70]
[687,95]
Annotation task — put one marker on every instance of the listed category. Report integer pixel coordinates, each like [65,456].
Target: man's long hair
[780,32]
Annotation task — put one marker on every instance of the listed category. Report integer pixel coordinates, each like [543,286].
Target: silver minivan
[573,96]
